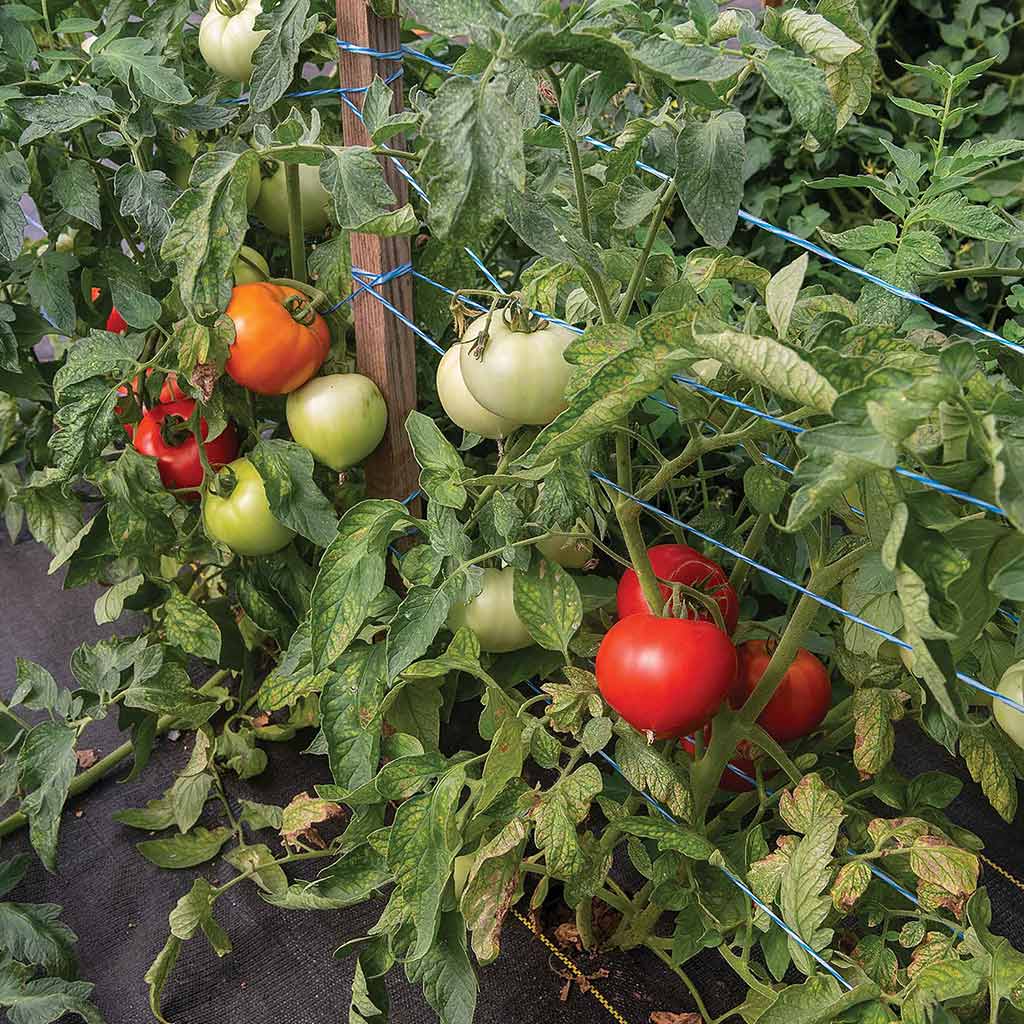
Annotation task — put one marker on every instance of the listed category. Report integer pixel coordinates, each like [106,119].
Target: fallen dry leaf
[665,1017]
[86,758]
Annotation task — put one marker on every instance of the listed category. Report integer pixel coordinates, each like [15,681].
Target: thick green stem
[87,779]
[637,277]
[683,977]
[296,241]
[627,512]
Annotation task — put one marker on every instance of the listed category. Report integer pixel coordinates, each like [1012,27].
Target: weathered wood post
[385,349]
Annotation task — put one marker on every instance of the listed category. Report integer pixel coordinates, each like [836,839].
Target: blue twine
[367,51]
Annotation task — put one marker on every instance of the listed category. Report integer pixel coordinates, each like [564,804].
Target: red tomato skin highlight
[680,564]
[170,392]
[802,700]
[179,465]
[667,676]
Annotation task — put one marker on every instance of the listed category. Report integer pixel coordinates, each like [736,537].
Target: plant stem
[296,242]
[87,779]
[683,977]
[668,195]
[974,272]
[738,576]
[400,154]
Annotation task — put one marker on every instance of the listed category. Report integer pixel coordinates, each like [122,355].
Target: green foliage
[801,115]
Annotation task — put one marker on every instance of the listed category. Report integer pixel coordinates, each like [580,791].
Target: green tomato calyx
[300,309]
[175,430]
[224,482]
[229,8]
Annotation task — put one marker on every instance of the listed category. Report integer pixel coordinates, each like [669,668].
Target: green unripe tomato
[340,418]
[244,272]
[520,376]
[1009,719]
[460,872]
[462,408]
[236,512]
[568,551]
[272,205]
[491,615]
[227,38]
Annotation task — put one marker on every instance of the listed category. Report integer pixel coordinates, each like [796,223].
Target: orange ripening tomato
[170,392]
[164,434]
[280,340]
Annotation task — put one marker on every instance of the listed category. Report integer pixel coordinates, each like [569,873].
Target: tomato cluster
[669,675]
[505,373]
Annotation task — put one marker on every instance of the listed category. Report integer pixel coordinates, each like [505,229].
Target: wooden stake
[385,348]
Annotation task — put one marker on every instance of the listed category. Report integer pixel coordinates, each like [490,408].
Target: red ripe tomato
[170,392]
[680,564]
[742,761]
[667,676]
[116,323]
[163,434]
[802,700]
[280,340]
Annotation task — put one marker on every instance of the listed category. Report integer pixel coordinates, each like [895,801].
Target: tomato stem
[296,241]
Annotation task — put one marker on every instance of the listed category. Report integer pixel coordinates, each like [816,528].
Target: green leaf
[50,288]
[801,85]
[762,361]
[34,687]
[547,600]
[288,25]
[46,766]
[504,762]
[353,877]
[954,211]
[419,619]
[681,62]
[850,884]
[129,60]
[139,508]
[648,771]
[43,1000]
[815,35]
[156,815]
[446,973]
[295,500]
[874,711]
[455,17]
[189,627]
[354,177]
[109,605]
[351,575]
[257,858]
[293,677]
[13,871]
[546,228]
[443,470]
[348,703]
[76,191]
[370,1002]
[159,971]
[54,516]
[782,293]
[473,157]
[14,183]
[32,933]
[763,489]
[186,850]
[557,813]
[865,238]
[668,836]
[819,1000]
[422,845]
[62,112]
[380,122]
[170,692]
[146,197]
[709,174]
[208,225]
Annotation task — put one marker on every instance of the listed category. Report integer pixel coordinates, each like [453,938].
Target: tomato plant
[678,563]
[744,273]
[280,340]
[165,433]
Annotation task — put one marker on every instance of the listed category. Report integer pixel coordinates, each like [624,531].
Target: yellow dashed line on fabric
[591,988]
[1002,871]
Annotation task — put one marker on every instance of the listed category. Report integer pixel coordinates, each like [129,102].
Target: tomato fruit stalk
[679,563]
[666,676]
[236,512]
[164,433]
